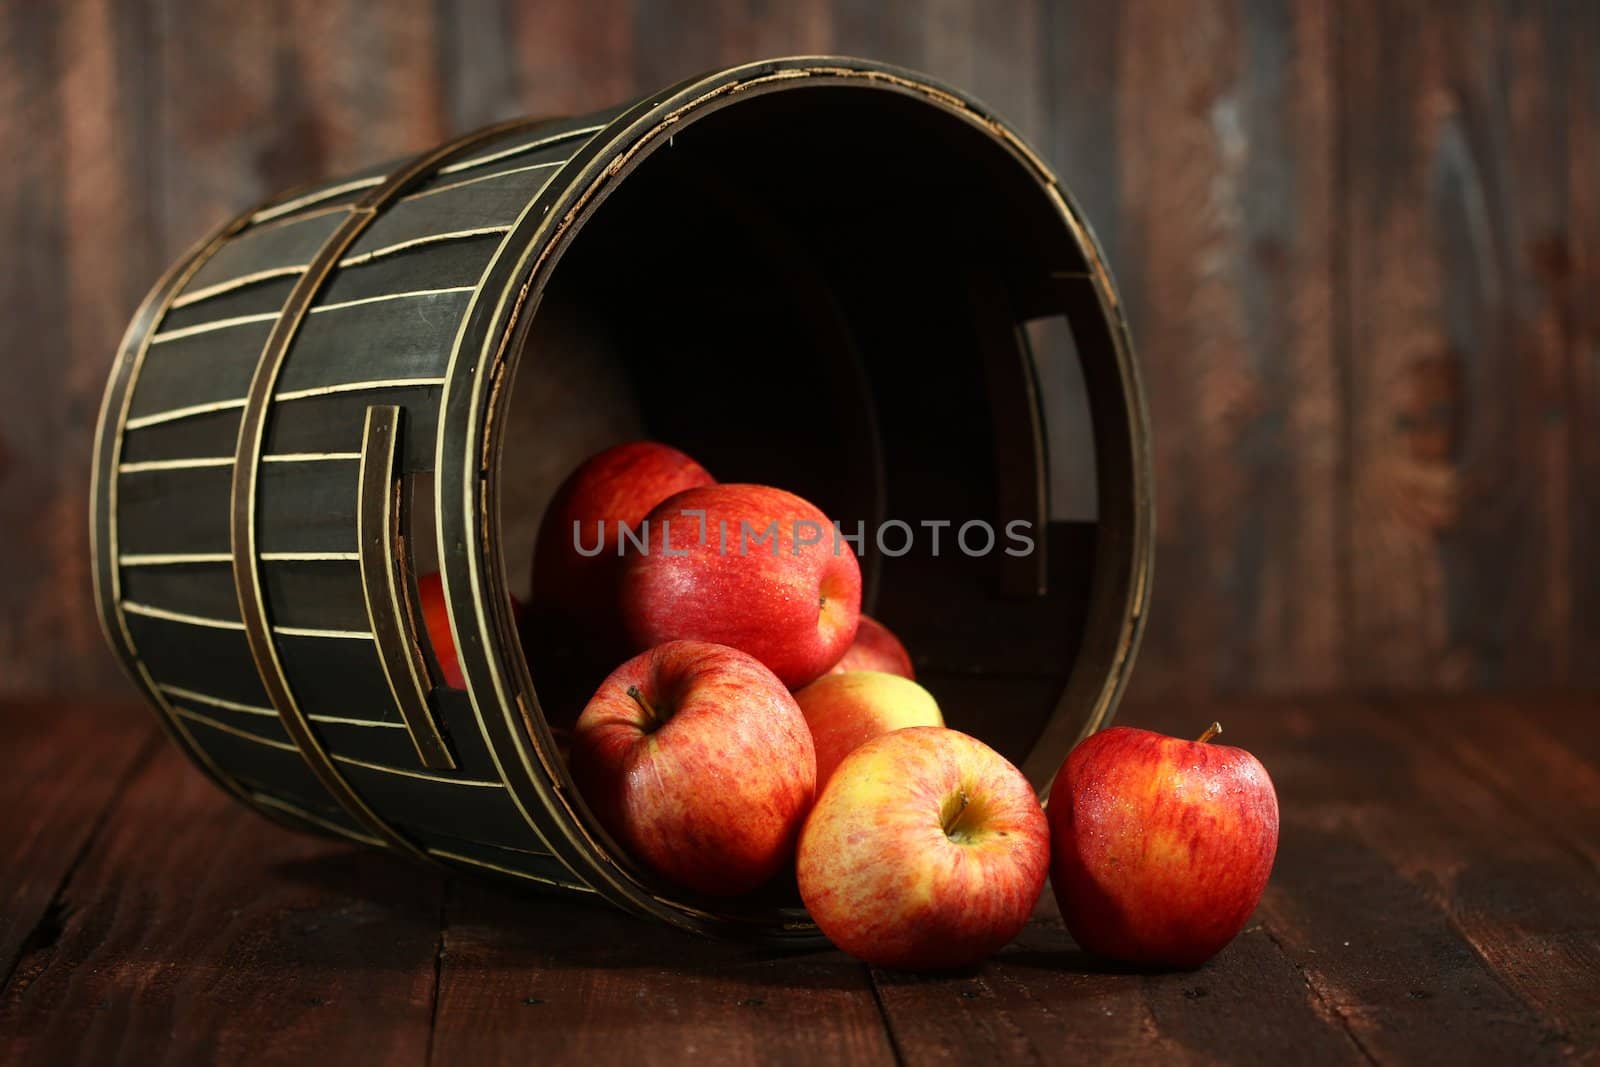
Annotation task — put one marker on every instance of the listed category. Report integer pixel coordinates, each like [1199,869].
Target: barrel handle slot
[386,587]
[1020,460]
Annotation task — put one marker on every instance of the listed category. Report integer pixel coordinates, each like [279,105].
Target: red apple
[696,759]
[748,566]
[845,711]
[926,850]
[1161,847]
[436,621]
[876,648]
[610,491]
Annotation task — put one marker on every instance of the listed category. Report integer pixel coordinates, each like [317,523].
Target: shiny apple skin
[713,797]
[794,610]
[884,880]
[876,648]
[1161,846]
[845,711]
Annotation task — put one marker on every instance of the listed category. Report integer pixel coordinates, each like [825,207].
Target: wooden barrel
[821,273]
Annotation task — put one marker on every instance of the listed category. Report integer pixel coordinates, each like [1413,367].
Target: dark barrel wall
[380,332]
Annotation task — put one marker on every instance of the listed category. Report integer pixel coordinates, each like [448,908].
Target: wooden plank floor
[1436,899]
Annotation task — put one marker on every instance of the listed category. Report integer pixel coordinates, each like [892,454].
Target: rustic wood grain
[508,59]
[1042,1000]
[1434,920]
[1221,216]
[66,765]
[256,99]
[585,983]
[1458,272]
[371,81]
[892,31]
[1354,240]
[1433,901]
[196,931]
[1582,317]
[1517,892]
[994,50]
[1541,760]
[671,42]
[76,221]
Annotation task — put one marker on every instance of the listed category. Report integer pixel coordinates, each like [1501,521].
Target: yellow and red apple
[696,758]
[926,850]
[845,711]
[1160,846]
[748,566]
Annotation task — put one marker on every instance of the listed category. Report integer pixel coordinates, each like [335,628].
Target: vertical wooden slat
[73,123]
[1543,57]
[1079,55]
[223,140]
[478,72]
[755,29]
[886,30]
[32,215]
[256,99]
[1291,615]
[571,59]
[670,42]
[367,79]
[994,50]
[1222,243]
[1583,345]
[1460,306]
[1400,484]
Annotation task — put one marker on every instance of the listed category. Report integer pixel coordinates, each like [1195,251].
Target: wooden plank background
[1359,241]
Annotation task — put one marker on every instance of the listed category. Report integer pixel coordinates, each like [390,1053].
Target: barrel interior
[854,295]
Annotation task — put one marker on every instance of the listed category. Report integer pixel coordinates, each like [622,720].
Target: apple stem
[1211,731]
[649,709]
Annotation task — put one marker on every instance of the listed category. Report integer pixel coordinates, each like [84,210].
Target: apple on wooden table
[926,850]
[696,758]
[847,710]
[1160,846]
[876,648]
[749,566]
[577,558]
